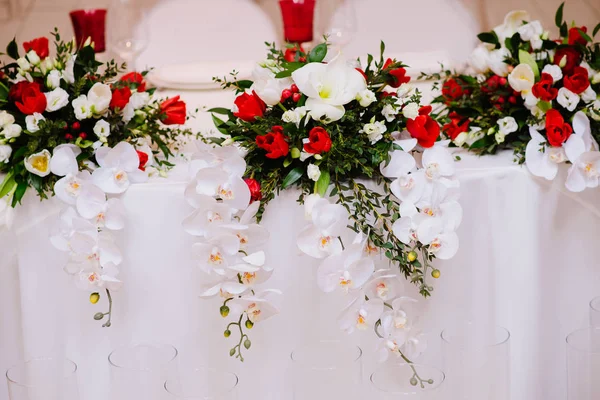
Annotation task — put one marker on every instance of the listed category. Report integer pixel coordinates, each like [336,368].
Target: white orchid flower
[409,187]
[226,157]
[216,182]
[267,86]
[92,248]
[257,307]
[225,287]
[361,314]
[582,152]
[251,236]
[438,164]
[119,167]
[209,216]
[347,270]
[442,243]
[400,164]
[542,159]
[106,213]
[329,87]
[398,321]
[67,224]
[384,285]
[217,254]
[93,279]
[320,239]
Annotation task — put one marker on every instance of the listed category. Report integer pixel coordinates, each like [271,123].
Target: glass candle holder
[298,18]
[90,24]
[203,384]
[139,371]
[43,379]
[407,381]
[595,312]
[583,364]
[476,362]
[327,370]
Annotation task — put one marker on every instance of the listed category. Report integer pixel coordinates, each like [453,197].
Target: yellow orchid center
[225,193]
[215,258]
[121,176]
[324,241]
[382,290]
[248,277]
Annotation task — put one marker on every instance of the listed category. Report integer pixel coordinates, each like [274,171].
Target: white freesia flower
[588,95]
[139,100]
[530,101]
[411,111]
[329,87]
[532,32]
[294,116]
[567,99]
[507,125]
[56,99]
[512,21]
[497,62]
[68,74]
[33,57]
[82,107]
[313,171]
[389,112]
[23,64]
[521,79]
[374,130]
[32,122]
[38,163]
[6,119]
[99,97]
[320,239]
[102,129]
[11,131]
[5,152]
[542,159]
[366,97]
[118,168]
[53,79]
[554,70]
[267,86]
[361,314]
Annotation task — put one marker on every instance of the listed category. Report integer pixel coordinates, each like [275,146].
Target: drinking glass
[327,370]
[476,362]
[128,30]
[43,379]
[90,24]
[583,364]
[298,20]
[203,384]
[139,371]
[407,381]
[595,312]
[343,26]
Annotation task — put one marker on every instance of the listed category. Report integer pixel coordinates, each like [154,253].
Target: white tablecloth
[526,262]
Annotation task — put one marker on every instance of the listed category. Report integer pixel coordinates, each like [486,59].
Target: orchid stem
[109,313]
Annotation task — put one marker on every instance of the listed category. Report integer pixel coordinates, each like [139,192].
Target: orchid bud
[227,333]
[224,311]
[98,316]
[412,256]
[413,381]
[435,273]
[231,352]
[249,324]
[247,343]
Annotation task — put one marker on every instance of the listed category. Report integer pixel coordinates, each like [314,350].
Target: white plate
[198,76]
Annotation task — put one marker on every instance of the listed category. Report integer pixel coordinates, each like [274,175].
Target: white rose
[33,58]
[39,163]
[507,125]
[6,118]
[314,173]
[588,95]
[68,74]
[102,129]
[389,112]
[139,100]
[500,137]
[32,122]
[5,152]
[56,99]
[479,59]
[11,131]
[521,79]
[374,131]
[554,71]
[82,107]
[595,110]
[366,98]
[567,99]
[294,116]
[411,111]
[53,79]
[23,64]
[99,97]
[496,61]
[267,86]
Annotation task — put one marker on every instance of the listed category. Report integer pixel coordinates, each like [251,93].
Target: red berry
[295,88]
[68,136]
[302,59]
[512,100]
[66,127]
[296,97]
[500,100]
[83,135]
[76,126]
[503,81]
[286,94]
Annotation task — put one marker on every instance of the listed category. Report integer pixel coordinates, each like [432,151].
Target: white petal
[91,202]
[575,180]
[321,111]
[257,259]
[63,162]
[574,147]
[538,162]
[400,164]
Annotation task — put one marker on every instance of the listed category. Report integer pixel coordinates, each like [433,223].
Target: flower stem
[109,313]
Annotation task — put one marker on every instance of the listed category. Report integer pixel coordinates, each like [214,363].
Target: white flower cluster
[84,227]
[229,251]
[430,215]
[8,130]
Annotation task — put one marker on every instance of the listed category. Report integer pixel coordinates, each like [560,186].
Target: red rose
[397,76]
[135,77]
[452,90]
[455,128]
[290,54]
[274,143]
[143,159]
[575,37]
[543,90]
[174,111]
[318,141]
[16,90]
[39,45]
[573,58]
[254,186]
[424,129]
[31,99]
[249,107]
[425,110]
[120,98]
[578,81]
[557,130]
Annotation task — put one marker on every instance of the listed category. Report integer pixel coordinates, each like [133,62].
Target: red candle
[90,24]
[298,18]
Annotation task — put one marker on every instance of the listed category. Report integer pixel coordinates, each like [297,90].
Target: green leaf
[287,161]
[323,183]
[596,29]
[289,68]
[558,19]
[318,53]
[13,49]
[526,58]
[219,110]
[544,105]
[584,35]
[218,124]
[8,184]
[244,84]
[564,30]
[489,37]
[292,177]
[3,91]
[19,193]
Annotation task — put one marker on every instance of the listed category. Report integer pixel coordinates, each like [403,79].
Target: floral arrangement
[528,92]
[71,128]
[367,160]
